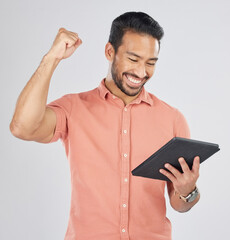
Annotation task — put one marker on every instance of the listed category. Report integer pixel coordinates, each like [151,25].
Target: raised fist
[65,44]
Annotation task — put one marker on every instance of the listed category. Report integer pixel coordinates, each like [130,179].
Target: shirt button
[125,109]
[123,230]
[125,131]
[126,179]
[125,155]
[124,205]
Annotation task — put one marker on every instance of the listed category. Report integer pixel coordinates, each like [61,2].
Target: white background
[192,74]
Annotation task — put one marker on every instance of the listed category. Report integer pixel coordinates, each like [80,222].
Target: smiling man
[107,132]
[132,64]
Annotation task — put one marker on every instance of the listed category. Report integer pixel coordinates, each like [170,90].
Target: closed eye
[133,60]
[151,64]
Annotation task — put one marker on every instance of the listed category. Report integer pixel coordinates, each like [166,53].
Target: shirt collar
[143,96]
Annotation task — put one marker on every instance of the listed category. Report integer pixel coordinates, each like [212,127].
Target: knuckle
[167,174]
[62,33]
[61,29]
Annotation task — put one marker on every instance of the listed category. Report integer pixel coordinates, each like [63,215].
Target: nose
[140,70]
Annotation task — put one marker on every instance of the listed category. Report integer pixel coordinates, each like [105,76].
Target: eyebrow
[135,55]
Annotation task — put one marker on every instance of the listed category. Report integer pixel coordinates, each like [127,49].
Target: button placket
[125,162]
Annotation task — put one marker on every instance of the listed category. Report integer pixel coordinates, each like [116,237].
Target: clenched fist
[65,44]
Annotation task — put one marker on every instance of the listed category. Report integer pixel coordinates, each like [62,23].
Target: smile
[133,80]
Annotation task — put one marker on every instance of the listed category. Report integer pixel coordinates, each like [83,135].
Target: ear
[109,52]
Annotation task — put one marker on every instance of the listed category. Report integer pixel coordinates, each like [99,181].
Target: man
[107,132]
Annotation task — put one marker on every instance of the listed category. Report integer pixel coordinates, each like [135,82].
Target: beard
[130,91]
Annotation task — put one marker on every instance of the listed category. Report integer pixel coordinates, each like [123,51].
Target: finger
[66,34]
[173,170]
[71,41]
[78,43]
[196,164]
[74,34]
[168,175]
[184,165]
[62,29]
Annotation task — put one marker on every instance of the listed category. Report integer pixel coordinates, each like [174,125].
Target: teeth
[133,80]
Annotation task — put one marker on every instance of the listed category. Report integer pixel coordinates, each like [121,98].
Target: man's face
[134,62]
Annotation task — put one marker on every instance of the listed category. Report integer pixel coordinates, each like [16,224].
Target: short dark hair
[137,22]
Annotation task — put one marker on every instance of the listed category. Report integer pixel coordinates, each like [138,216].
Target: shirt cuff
[59,122]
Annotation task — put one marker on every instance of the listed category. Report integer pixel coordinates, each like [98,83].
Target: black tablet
[177,147]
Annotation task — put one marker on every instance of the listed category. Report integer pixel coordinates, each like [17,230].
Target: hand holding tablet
[170,153]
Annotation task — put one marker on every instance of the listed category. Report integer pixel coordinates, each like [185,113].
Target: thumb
[77,43]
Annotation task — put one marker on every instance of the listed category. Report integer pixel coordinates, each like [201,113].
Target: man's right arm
[32,120]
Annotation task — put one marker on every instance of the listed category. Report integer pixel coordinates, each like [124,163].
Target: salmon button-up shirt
[104,141]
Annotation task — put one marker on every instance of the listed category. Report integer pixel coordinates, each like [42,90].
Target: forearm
[31,120]
[31,104]
[179,205]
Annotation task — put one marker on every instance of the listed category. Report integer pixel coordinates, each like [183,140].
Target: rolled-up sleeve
[62,108]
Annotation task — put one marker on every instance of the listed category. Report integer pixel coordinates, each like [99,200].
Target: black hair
[137,22]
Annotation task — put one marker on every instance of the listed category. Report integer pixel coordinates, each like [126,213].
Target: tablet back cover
[170,152]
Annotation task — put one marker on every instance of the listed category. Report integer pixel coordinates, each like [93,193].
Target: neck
[112,87]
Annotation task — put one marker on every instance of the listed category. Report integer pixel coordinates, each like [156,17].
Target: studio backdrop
[192,74]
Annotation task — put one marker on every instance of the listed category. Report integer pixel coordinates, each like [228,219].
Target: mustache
[134,75]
